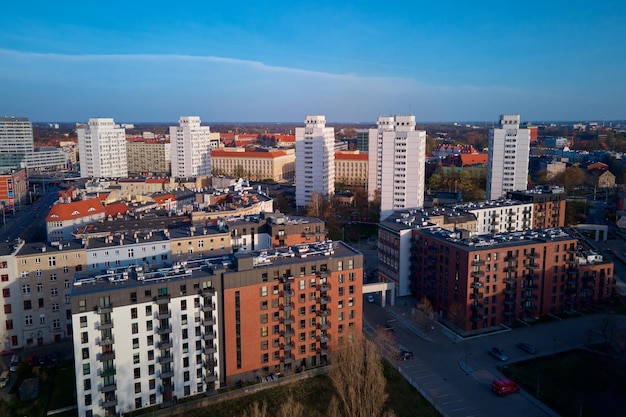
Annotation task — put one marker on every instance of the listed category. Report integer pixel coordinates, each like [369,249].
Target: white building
[17,147]
[500,216]
[191,148]
[509,149]
[102,149]
[397,163]
[315,160]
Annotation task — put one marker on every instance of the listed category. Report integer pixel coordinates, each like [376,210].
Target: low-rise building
[548,205]
[277,165]
[351,168]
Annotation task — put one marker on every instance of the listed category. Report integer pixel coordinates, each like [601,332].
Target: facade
[397,163]
[13,188]
[548,205]
[315,160]
[148,157]
[487,281]
[146,336]
[351,168]
[277,165]
[102,149]
[17,147]
[500,216]
[190,148]
[509,150]
[362,140]
[64,218]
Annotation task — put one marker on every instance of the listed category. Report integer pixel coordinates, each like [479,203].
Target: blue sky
[352,61]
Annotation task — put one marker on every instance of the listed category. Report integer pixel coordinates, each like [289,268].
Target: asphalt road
[456,375]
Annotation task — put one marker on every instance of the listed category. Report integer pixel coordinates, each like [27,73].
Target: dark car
[41,360]
[498,353]
[53,358]
[527,347]
[404,355]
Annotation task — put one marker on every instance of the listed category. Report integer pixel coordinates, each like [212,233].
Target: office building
[509,149]
[315,160]
[17,148]
[190,145]
[102,149]
[397,163]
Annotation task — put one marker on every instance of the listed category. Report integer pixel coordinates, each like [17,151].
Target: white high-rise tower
[102,149]
[190,146]
[509,150]
[397,163]
[315,159]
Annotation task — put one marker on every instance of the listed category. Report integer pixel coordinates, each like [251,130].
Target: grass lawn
[574,383]
[315,394]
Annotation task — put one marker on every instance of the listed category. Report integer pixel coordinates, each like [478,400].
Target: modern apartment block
[146,336]
[500,216]
[397,163]
[148,156]
[315,160]
[548,205]
[277,165]
[509,150]
[102,149]
[485,281]
[17,147]
[190,145]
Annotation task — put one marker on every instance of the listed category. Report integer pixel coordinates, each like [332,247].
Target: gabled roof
[468,159]
[74,210]
[598,165]
[116,208]
[162,198]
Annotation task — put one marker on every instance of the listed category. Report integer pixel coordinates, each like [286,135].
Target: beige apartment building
[278,165]
[351,168]
[148,156]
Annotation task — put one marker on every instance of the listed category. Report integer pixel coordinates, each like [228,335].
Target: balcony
[288,332]
[478,263]
[477,317]
[287,359]
[164,330]
[167,373]
[323,300]
[208,307]
[107,341]
[324,287]
[166,388]
[324,326]
[166,314]
[208,336]
[572,271]
[509,312]
[287,293]
[110,371]
[477,307]
[532,255]
[107,356]
[108,388]
[510,280]
[207,350]
[287,320]
[476,295]
[162,299]
[105,325]
[510,290]
[322,350]
[112,402]
[509,302]
[165,359]
[533,266]
[287,307]
[510,269]
[478,274]
[476,284]
[532,276]
[323,338]
[164,344]
[107,308]
[287,347]
[210,377]
[533,287]
[208,291]
[530,297]
[530,307]
[208,320]
[510,258]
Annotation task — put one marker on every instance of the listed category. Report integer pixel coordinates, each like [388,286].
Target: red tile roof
[157,181]
[162,198]
[473,159]
[351,156]
[74,210]
[114,209]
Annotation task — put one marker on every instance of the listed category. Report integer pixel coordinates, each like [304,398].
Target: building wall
[13,188]
[102,149]
[509,149]
[152,157]
[315,156]
[351,169]
[276,165]
[190,148]
[548,207]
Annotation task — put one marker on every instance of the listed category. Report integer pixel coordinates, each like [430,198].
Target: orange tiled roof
[114,209]
[351,156]
[162,198]
[74,210]
[468,159]
[157,181]
[598,165]
[285,138]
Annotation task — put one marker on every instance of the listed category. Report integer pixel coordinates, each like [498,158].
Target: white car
[370,298]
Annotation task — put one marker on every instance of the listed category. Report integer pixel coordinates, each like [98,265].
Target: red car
[504,386]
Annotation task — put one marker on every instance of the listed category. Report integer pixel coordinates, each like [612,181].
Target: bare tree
[457,315]
[291,408]
[357,375]
[256,410]
[426,315]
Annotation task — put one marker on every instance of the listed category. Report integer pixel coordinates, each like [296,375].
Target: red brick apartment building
[284,312]
[486,281]
[548,205]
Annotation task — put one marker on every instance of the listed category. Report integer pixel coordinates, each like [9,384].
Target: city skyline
[250,62]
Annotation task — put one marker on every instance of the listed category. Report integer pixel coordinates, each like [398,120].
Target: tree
[457,315]
[291,408]
[256,410]
[357,375]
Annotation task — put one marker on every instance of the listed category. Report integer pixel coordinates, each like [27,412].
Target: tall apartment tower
[102,149]
[397,163]
[315,159]
[509,149]
[191,148]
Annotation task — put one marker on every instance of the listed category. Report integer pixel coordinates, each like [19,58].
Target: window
[6,292]
[264,291]
[54,291]
[264,331]
[134,328]
[7,309]
[87,384]
[86,369]
[137,373]
[88,399]
[26,289]
[138,390]
[56,324]
[133,313]
[28,305]
[52,261]
[53,277]
[136,343]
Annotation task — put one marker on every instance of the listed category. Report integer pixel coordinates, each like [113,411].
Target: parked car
[53,358]
[498,353]
[370,298]
[15,363]
[404,355]
[41,360]
[527,347]
[504,386]
[4,379]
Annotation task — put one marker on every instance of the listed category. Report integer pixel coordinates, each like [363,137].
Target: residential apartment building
[315,156]
[190,145]
[509,149]
[397,163]
[17,147]
[548,205]
[148,156]
[277,165]
[500,216]
[485,281]
[146,336]
[102,149]
[351,168]
[13,188]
